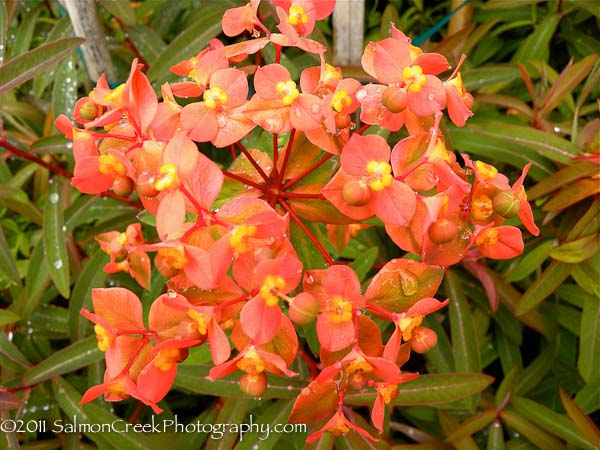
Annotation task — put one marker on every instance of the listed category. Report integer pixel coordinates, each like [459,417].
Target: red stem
[275,172]
[293,181]
[286,157]
[17,151]
[136,353]
[253,162]
[300,195]
[241,179]
[308,233]
[277,53]
[312,365]
[114,136]
[224,305]
[362,129]
[136,413]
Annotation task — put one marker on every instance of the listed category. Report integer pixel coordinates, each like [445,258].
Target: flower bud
[123,186]
[342,120]
[506,204]
[442,231]
[356,193]
[88,111]
[358,380]
[254,384]
[423,340]
[145,184]
[303,309]
[163,266]
[394,99]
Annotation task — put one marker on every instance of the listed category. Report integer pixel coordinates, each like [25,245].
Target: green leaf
[509,352]
[530,430]
[572,194]
[7,262]
[564,176]
[536,46]
[588,398]
[64,91]
[551,421]
[120,9]
[232,411]
[543,286]
[16,200]
[536,371]
[472,425]
[490,74]
[532,260]
[307,251]
[277,413]
[8,317]
[55,247]
[11,356]
[36,282]
[578,250]
[24,32]
[68,359]
[495,437]
[583,423]
[193,378]
[465,348]
[431,389]
[53,144]
[589,342]
[26,66]
[189,42]
[90,277]
[147,41]
[364,263]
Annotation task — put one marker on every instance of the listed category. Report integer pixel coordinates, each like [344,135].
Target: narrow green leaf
[479,77]
[543,286]
[307,251]
[26,66]
[325,442]
[24,32]
[73,357]
[148,42]
[536,371]
[472,425]
[193,378]
[588,398]
[90,277]
[536,46]
[9,440]
[277,413]
[588,223]
[507,386]
[551,421]
[55,247]
[50,321]
[509,352]
[36,282]
[3,28]
[568,80]
[7,262]
[449,424]
[564,176]
[232,411]
[53,144]
[440,357]
[531,431]
[61,29]
[589,342]
[532,260]
[572,194]
[11,356]
[583,423]
[16,200]
[189,42]
[364,263]
[431,389]
[195,440]
[578,250]
[64,90]
[465,348]
[7,317]
[120,9]
[495,437]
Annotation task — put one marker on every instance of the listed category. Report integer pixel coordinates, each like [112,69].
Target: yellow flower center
[482,207]
[340,310]
[110,165]
[192,73]
[174,256]
[388,392]
[488,237]
[288,91]
[214,97]
[457,82]
[167,358]
[239,237]
[414,78]
[340,100]
[339,428]
[103,337]
[359,365]
[414,52]
[381,175]
[115,94]
[118,389]
[486,171]
[331,74]
[407,325]
[200,320]
[251,363]
[270,288]
[297,16]
[439,151]
[167,177]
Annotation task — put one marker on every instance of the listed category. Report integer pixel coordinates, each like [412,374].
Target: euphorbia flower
[297,19]
[338,425]
[278,105]
[218,118]
[199,68]
[365,184]
[503,242]
[244,18]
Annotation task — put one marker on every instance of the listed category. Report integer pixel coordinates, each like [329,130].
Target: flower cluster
[235,279]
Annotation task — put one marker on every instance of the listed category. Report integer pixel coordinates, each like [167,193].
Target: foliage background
[534,69]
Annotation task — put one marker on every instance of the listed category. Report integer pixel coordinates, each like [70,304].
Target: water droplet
[53,198]
[556,129]
[361,94]
[271,241]
[171,293]
[352,126]
[430,96]
[58,264]
[409,284]
[468,171]
[433,178]
[9,336]
[46,408]
[466,234]
[64,228]
[221,120]
[68,80]
[315,108]
[69,145]
[29,331]
[310,279]
[290,388]
[255,447]
[32,409]
[337,133]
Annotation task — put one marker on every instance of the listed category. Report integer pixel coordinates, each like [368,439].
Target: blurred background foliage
[534,70]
